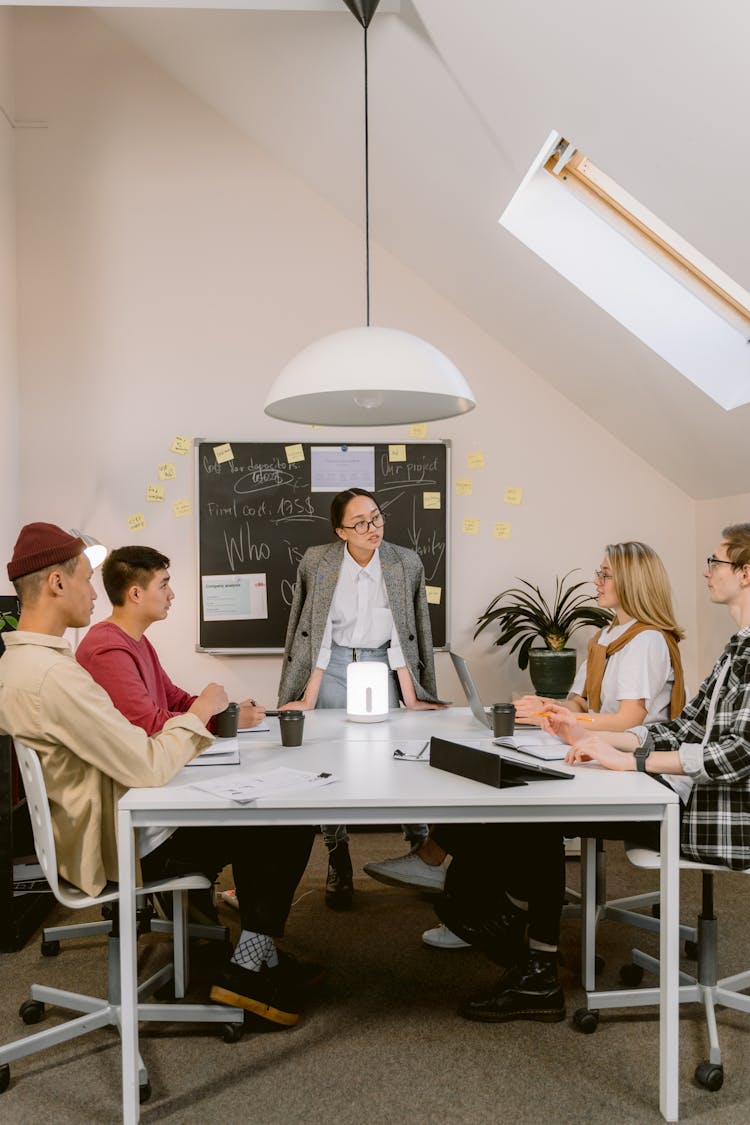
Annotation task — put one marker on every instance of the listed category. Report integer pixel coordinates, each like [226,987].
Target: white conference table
[375,788]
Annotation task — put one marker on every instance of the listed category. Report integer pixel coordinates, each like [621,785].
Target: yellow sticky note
[513,495]
[431,501]
[434,594]
[475,460]
[470,526]
[396,452]
[223,453]
[464,486]
[167,471]
[502,531]
[182,508]
[154,492]
[136,522]
[418,430]
[180,445]
[294,453]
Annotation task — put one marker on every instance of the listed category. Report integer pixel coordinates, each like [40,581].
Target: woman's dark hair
[340,501]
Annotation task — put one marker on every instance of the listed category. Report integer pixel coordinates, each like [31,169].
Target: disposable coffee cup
[503,719]
[291,725]
[225,723]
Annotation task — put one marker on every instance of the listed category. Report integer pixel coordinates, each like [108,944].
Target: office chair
[97,1011]
[703,988]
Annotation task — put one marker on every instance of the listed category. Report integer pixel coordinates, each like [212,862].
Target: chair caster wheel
[586,1020]
[232,1032]
[691,950]
[710,1076]
[50,948]
[4,1078]
[144,1092]
[598,964]
[631,975]
[31,1011]
[656,910]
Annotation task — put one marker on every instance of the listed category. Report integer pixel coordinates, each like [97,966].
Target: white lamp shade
[367,691]
[369,377]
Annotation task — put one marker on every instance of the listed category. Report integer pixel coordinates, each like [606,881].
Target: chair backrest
[41,826]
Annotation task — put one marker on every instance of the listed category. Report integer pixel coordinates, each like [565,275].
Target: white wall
[10,472]
[715,626]
[168,269]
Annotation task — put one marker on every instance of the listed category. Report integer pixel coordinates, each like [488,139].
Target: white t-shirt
[640,670]
[360,614]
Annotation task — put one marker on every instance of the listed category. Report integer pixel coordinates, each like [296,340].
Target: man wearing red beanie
[91,755]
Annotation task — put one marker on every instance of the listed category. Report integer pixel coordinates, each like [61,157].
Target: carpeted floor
[382,1043]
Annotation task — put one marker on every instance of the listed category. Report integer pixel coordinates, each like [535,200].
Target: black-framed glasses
[602,575]
[363,526]
[712,561]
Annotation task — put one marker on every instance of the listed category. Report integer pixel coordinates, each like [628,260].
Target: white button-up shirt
[360,616]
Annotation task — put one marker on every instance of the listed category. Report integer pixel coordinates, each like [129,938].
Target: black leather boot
[339,886]
[530,991]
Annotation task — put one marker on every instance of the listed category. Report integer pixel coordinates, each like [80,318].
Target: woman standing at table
[358,598]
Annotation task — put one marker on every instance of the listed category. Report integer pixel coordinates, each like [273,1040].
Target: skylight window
[636,268]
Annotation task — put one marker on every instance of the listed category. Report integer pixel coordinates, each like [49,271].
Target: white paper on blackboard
[234,597]
[336,467]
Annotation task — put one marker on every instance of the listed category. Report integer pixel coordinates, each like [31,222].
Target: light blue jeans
[333,694]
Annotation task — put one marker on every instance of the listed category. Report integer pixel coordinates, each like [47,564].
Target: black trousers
[267,864]
[526,861]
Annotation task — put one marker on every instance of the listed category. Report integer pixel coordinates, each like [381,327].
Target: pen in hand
[578,718]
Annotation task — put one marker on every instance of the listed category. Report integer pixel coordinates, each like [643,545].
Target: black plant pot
[552,673]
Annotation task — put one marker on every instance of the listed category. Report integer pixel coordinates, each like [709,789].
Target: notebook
[537,743]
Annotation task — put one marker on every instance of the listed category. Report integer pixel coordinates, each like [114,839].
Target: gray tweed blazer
[317,576]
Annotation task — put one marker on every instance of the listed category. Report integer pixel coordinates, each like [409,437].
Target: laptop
[532,741]
[470,691]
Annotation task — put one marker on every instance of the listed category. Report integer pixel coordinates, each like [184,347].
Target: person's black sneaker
[268,993]
[499,933]
[339,883]
[530,991]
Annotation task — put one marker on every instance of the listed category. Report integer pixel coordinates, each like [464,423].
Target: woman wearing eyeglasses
[358,598]
[632,675]
[633,672]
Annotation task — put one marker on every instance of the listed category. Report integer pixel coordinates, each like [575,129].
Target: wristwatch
[641,753]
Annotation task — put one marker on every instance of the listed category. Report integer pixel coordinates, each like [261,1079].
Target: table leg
[128,970]
[669,951]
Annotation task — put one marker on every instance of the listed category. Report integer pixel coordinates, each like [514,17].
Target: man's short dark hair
[737,539]
[28,587]
[130,566]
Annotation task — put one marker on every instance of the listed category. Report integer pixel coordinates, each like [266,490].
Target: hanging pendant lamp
[368,376]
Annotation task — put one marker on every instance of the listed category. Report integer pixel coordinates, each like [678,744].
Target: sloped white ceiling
[462,95]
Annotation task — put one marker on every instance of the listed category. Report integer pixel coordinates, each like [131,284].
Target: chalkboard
[258,514]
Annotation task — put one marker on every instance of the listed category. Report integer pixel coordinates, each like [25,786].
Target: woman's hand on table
[251,713]
[594,748]
[424,705]
[566,724]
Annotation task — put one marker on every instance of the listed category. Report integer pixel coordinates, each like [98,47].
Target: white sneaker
[442,938]
[408,871]
[230,897]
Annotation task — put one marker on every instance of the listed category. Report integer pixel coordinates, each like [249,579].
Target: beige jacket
[89,753]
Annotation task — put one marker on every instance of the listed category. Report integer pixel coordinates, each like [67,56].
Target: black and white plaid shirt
[716,821]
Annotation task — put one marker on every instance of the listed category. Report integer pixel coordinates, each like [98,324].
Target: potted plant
[523,616]
[8,617]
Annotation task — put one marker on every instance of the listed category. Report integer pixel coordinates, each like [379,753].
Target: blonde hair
[642,585]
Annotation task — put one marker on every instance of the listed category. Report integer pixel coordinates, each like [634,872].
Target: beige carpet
[382,1043]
